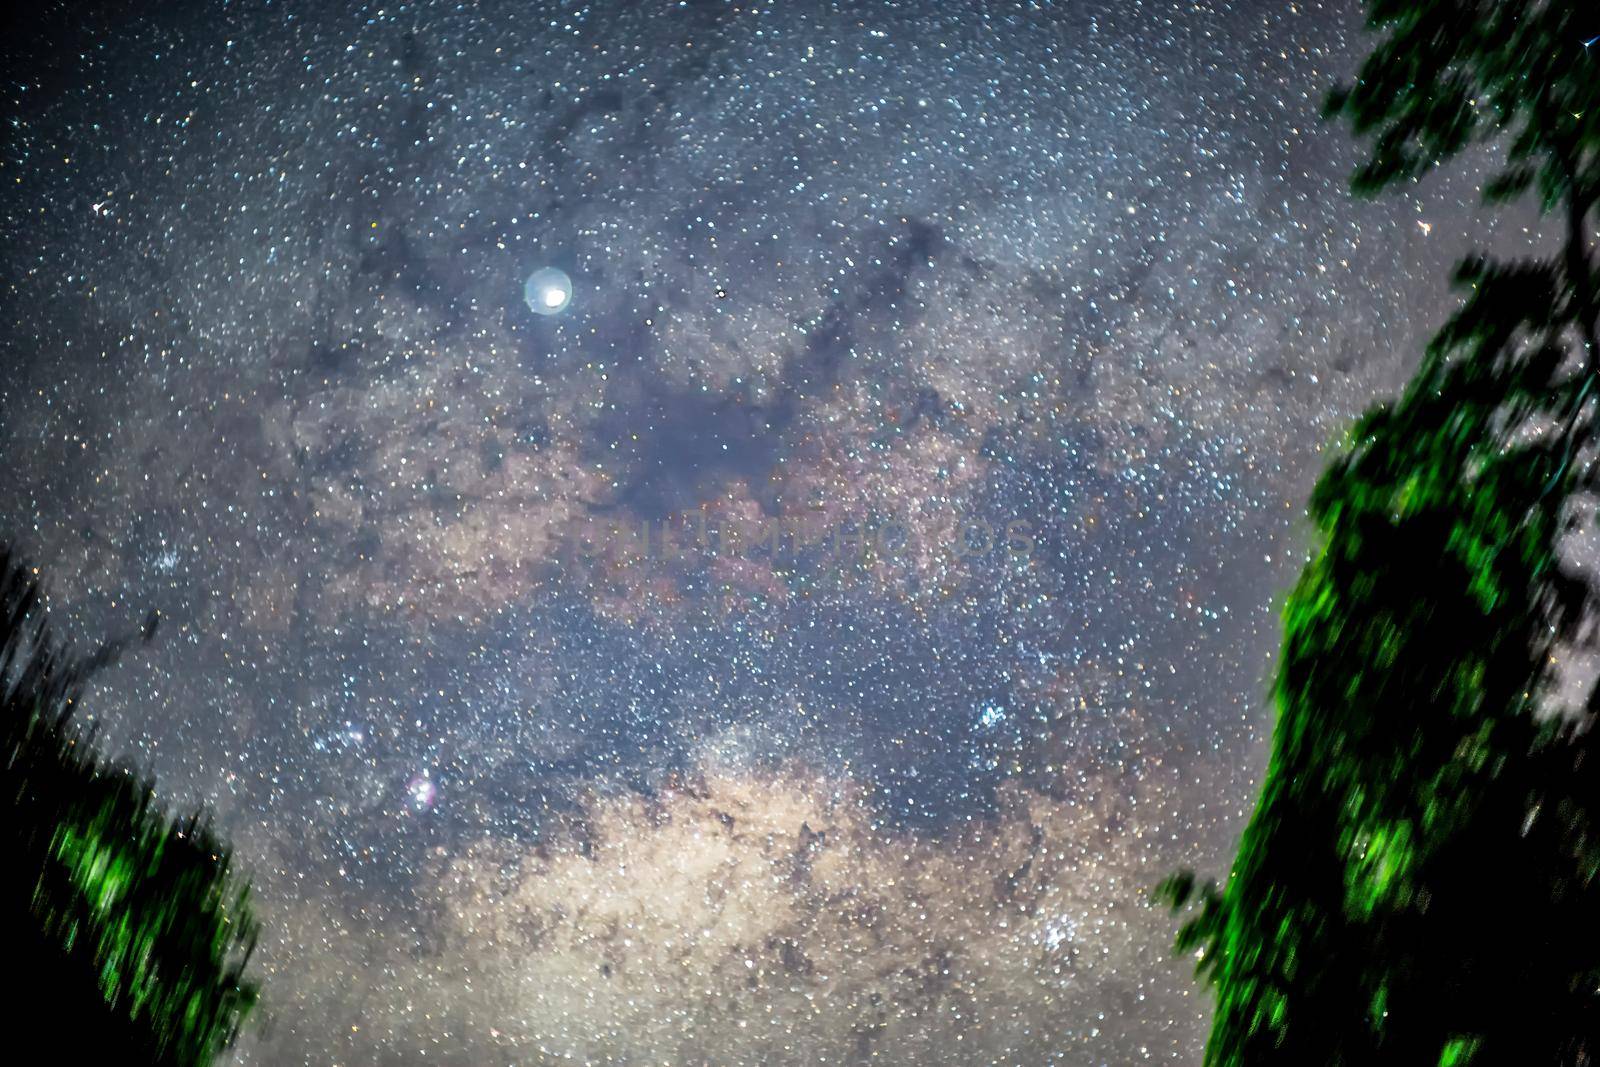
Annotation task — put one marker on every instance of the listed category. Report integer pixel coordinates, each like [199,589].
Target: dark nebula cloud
[515,789]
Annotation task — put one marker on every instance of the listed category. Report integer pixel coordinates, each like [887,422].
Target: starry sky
[1026,326]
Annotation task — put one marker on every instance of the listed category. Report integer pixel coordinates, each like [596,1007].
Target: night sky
[1054,308]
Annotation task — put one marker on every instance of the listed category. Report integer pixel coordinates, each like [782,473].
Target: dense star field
[1026,326]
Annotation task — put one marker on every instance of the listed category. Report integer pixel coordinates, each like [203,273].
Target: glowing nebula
[422,792]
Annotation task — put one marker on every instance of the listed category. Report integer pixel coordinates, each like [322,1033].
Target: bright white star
[547,291]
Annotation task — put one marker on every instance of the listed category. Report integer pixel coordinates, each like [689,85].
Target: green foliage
[128,931]
[1417,884]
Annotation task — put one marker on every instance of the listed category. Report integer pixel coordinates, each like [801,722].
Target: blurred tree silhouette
[1418,883]
[127,936]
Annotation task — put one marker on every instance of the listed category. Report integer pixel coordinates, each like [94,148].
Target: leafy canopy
[125,927]
[1417,882]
